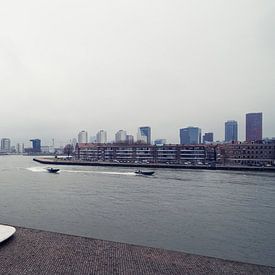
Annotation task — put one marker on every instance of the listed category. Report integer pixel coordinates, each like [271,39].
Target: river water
[229,215]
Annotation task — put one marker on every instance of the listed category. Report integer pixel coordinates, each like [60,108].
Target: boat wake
[37,169]
[44,169]
[100,172]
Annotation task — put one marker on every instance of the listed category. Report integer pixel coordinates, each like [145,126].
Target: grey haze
[72,65]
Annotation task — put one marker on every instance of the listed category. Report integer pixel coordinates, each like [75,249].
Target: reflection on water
[217,213]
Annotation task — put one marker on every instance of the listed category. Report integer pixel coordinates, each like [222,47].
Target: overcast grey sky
[71,65]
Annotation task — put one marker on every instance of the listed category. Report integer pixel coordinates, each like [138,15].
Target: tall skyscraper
[101,137]
[5,145]
[83,137]
[120,136]
[231,131]
[190,135]
[129,139]
[254,126]
[144,134]
[20,148]
[208,138]
[36,145]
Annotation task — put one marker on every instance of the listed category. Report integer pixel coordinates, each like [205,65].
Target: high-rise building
[254,126]
[101,137]
[120,136]
[83,137]
[20,148]
[230,131]
[5,145]
[208,138]
[190,135]
[129,139]
[141,139]
[36,145]
[144,134]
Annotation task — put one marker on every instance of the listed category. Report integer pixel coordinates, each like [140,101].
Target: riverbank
[54,161]
[32,251]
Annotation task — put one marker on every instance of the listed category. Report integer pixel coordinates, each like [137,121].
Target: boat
[145,173]
[52,170]
[6,232]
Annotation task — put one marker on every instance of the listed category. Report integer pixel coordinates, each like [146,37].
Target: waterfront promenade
[32,251]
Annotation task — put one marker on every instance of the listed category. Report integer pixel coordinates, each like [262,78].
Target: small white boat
[6,232]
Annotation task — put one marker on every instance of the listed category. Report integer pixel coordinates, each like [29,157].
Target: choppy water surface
[229,215]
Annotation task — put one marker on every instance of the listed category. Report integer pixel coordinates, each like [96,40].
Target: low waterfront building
[145,153]
[251,154]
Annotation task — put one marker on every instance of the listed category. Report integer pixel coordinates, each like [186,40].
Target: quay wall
[52,161]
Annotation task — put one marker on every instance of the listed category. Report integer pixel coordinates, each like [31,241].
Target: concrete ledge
[32,251]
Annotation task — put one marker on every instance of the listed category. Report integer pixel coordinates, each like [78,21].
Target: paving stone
[32,251]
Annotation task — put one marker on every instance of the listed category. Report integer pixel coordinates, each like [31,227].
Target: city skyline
[101,136]
[98,65]
[171,137]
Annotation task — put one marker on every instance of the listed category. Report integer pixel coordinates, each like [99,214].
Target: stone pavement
[32,251]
